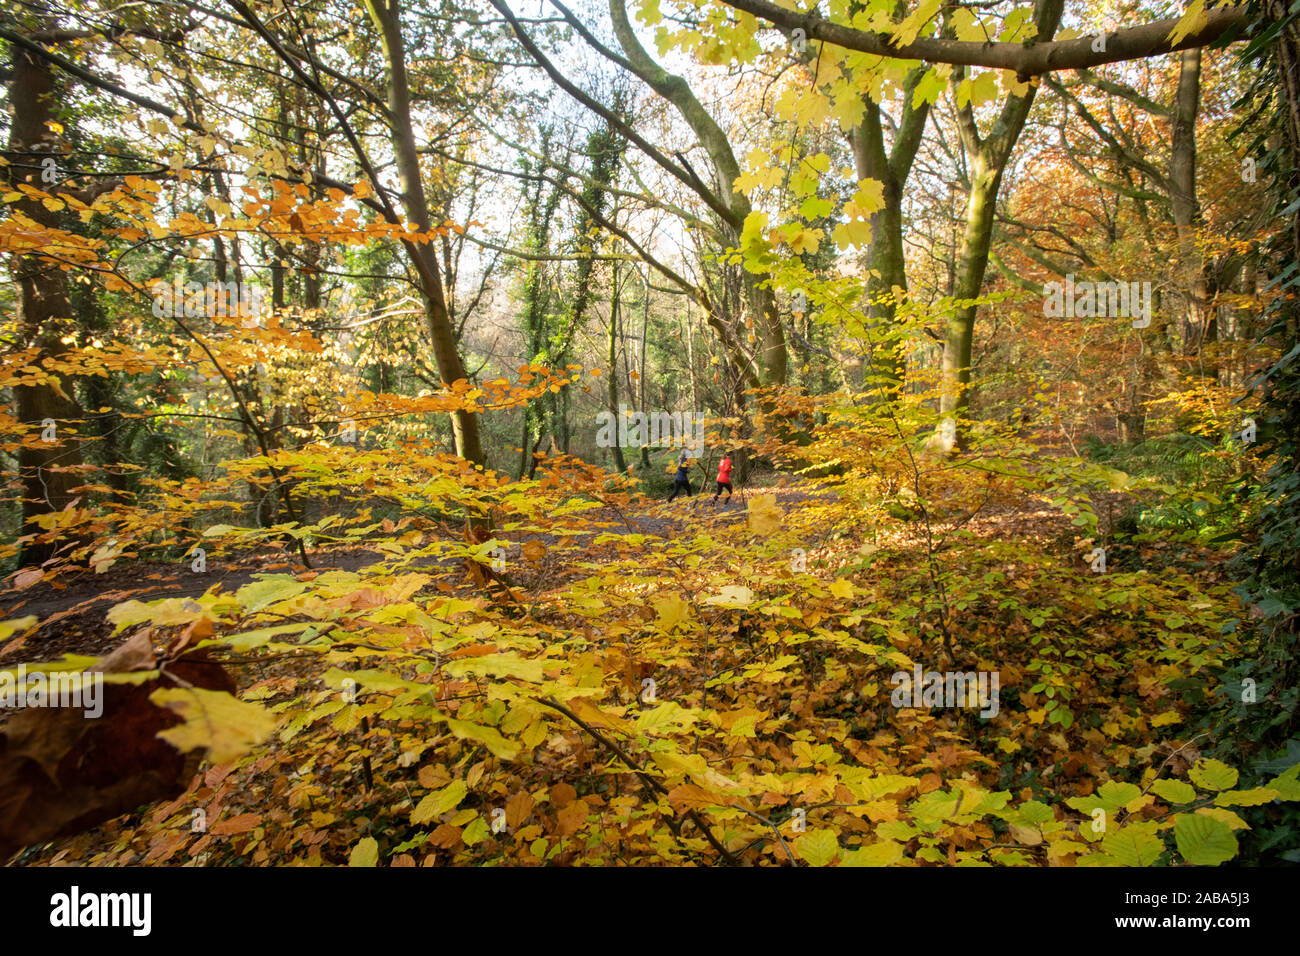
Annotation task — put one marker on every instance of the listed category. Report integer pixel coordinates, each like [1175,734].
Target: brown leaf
[473,650]
[688,796]
[134,655]
[233,825]
[562,794]
[518,808]
[27,577]
[570,819]
[432,777]
[1029,836]
[931,781]
[446,837]
[197,631]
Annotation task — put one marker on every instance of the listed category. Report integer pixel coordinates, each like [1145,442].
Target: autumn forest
[709,433]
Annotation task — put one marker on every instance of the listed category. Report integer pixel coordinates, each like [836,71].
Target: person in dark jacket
[682,480]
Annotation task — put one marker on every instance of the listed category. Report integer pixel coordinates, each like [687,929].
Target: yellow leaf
[672,611]
[764,515]
[885,853]
[227,726]
[592,714]
[1193,20]
[365,853]
[8,628]
[488,736]
[841,588]
[439,802]
[818,847]
[1227,816]
[696,768]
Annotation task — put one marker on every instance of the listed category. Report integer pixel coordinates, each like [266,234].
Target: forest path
[72,607]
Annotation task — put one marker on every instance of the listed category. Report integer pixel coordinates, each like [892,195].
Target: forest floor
[72,607]
[73,620]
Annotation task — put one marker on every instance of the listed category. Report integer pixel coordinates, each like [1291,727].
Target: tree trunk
[972,264]
[464,425]
[48,470]
[617,449]
[988,158]
[1182,199]
[886,258]
[645,324]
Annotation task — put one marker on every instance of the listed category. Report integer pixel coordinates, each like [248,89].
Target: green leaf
[260,594]
[365,853]
[1034,813]
[1114,795]
[498,665]
[930,87]
[373,680]
[247,640]
[818,847]
[814,208]
[487,736]
[420,839]
[1246,798]
[1203,840]
[439,802]
[1175,791]
[1287,784]
[885,853]
[476,832]
[1133,845]
[1213,775]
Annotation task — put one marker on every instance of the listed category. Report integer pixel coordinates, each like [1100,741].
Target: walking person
[724,476]
[682,480]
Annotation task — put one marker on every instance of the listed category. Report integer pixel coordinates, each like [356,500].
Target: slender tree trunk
[645,324]
[464,425]
[971,266]
[1182,198]
[617,449]
[690,359]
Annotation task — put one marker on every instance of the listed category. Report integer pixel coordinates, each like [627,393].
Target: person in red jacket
[724,476]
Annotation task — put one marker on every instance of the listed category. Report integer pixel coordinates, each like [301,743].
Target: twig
[647,780]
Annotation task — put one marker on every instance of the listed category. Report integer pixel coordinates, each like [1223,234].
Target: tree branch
[1132,43]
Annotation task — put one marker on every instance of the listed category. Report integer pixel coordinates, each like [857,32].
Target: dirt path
[72,607]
